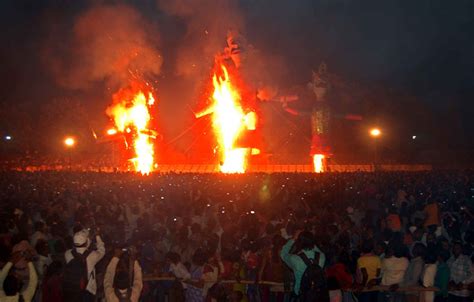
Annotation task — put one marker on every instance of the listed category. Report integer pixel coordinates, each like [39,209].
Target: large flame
[130,113]
[318,163]
[229,120]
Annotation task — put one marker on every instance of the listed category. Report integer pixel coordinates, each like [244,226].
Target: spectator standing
[304,243]
[428,276]
[79,260]
[414,270]
[368,271]
[460,273]
[442,276]
[11,289]
[394,266]
[123,284]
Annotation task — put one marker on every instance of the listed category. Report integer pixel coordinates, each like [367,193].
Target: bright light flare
[229,120]
[69,142]
[318,163]
[375,132]
[8,138]
[111,131]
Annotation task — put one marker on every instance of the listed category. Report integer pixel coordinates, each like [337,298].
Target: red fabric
[228,269]
[52,289]
[339,272]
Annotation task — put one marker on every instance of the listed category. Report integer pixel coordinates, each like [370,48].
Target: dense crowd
[77,236]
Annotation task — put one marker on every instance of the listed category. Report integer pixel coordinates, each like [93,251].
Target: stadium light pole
[375,133]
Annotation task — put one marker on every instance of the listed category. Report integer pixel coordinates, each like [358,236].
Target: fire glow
[229,120]
[318,163]
[131,114]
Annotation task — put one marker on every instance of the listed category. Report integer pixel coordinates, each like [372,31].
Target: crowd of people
[83,236]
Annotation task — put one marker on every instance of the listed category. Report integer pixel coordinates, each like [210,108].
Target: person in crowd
[302,242]
[81,260]
[11,290]
[180,272]
[442,276]
[52,283]
[460,273]
[220,215]
[39,234]
[414,271]
[194,291]
[121,282]
[368,271]
[428,275]
[394,267]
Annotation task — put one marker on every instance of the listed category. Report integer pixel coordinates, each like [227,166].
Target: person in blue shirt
[303,241]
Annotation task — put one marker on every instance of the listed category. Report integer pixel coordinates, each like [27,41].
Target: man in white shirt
[81,245]
[119,284]
[394,266]
[10,286]
[181,273]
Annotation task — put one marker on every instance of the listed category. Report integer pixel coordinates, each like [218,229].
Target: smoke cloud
[207,24]
[108,44]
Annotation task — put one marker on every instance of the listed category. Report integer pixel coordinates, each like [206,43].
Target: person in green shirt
[442,276]
[303,241]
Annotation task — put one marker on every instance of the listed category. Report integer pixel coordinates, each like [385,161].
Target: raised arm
[32,283]
[285,253]
[96,255]
[3,274]
[137,282]
[109,276]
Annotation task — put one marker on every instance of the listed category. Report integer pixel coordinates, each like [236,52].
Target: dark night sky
[420,48]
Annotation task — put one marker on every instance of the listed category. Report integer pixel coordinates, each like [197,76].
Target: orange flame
[131,114]
[318,163]
[229,120]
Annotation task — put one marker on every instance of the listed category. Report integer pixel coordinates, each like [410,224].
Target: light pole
[69,142]
[375,133]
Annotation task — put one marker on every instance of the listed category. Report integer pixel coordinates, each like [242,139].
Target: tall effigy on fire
[233,109]
[320,119]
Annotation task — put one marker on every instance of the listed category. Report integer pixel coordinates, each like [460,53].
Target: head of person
[40,226]
[305,241]
[122,280]
[367,247]
[457,249]
[418,234]
[11,285]
[380,248]
[443,255]
[395,249]
[432,229]
[199,258]
[81,239]
[418,250]
[55,268]
[173,258]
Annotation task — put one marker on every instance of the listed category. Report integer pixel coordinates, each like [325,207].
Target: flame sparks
[229,120]
[131,114]
[318,163]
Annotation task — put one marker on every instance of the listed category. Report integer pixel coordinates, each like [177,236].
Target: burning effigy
[131,114]
[233,110]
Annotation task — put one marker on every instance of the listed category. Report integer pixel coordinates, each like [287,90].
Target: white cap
[81,239]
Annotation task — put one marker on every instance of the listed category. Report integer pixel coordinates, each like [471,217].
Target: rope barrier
[279,284]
